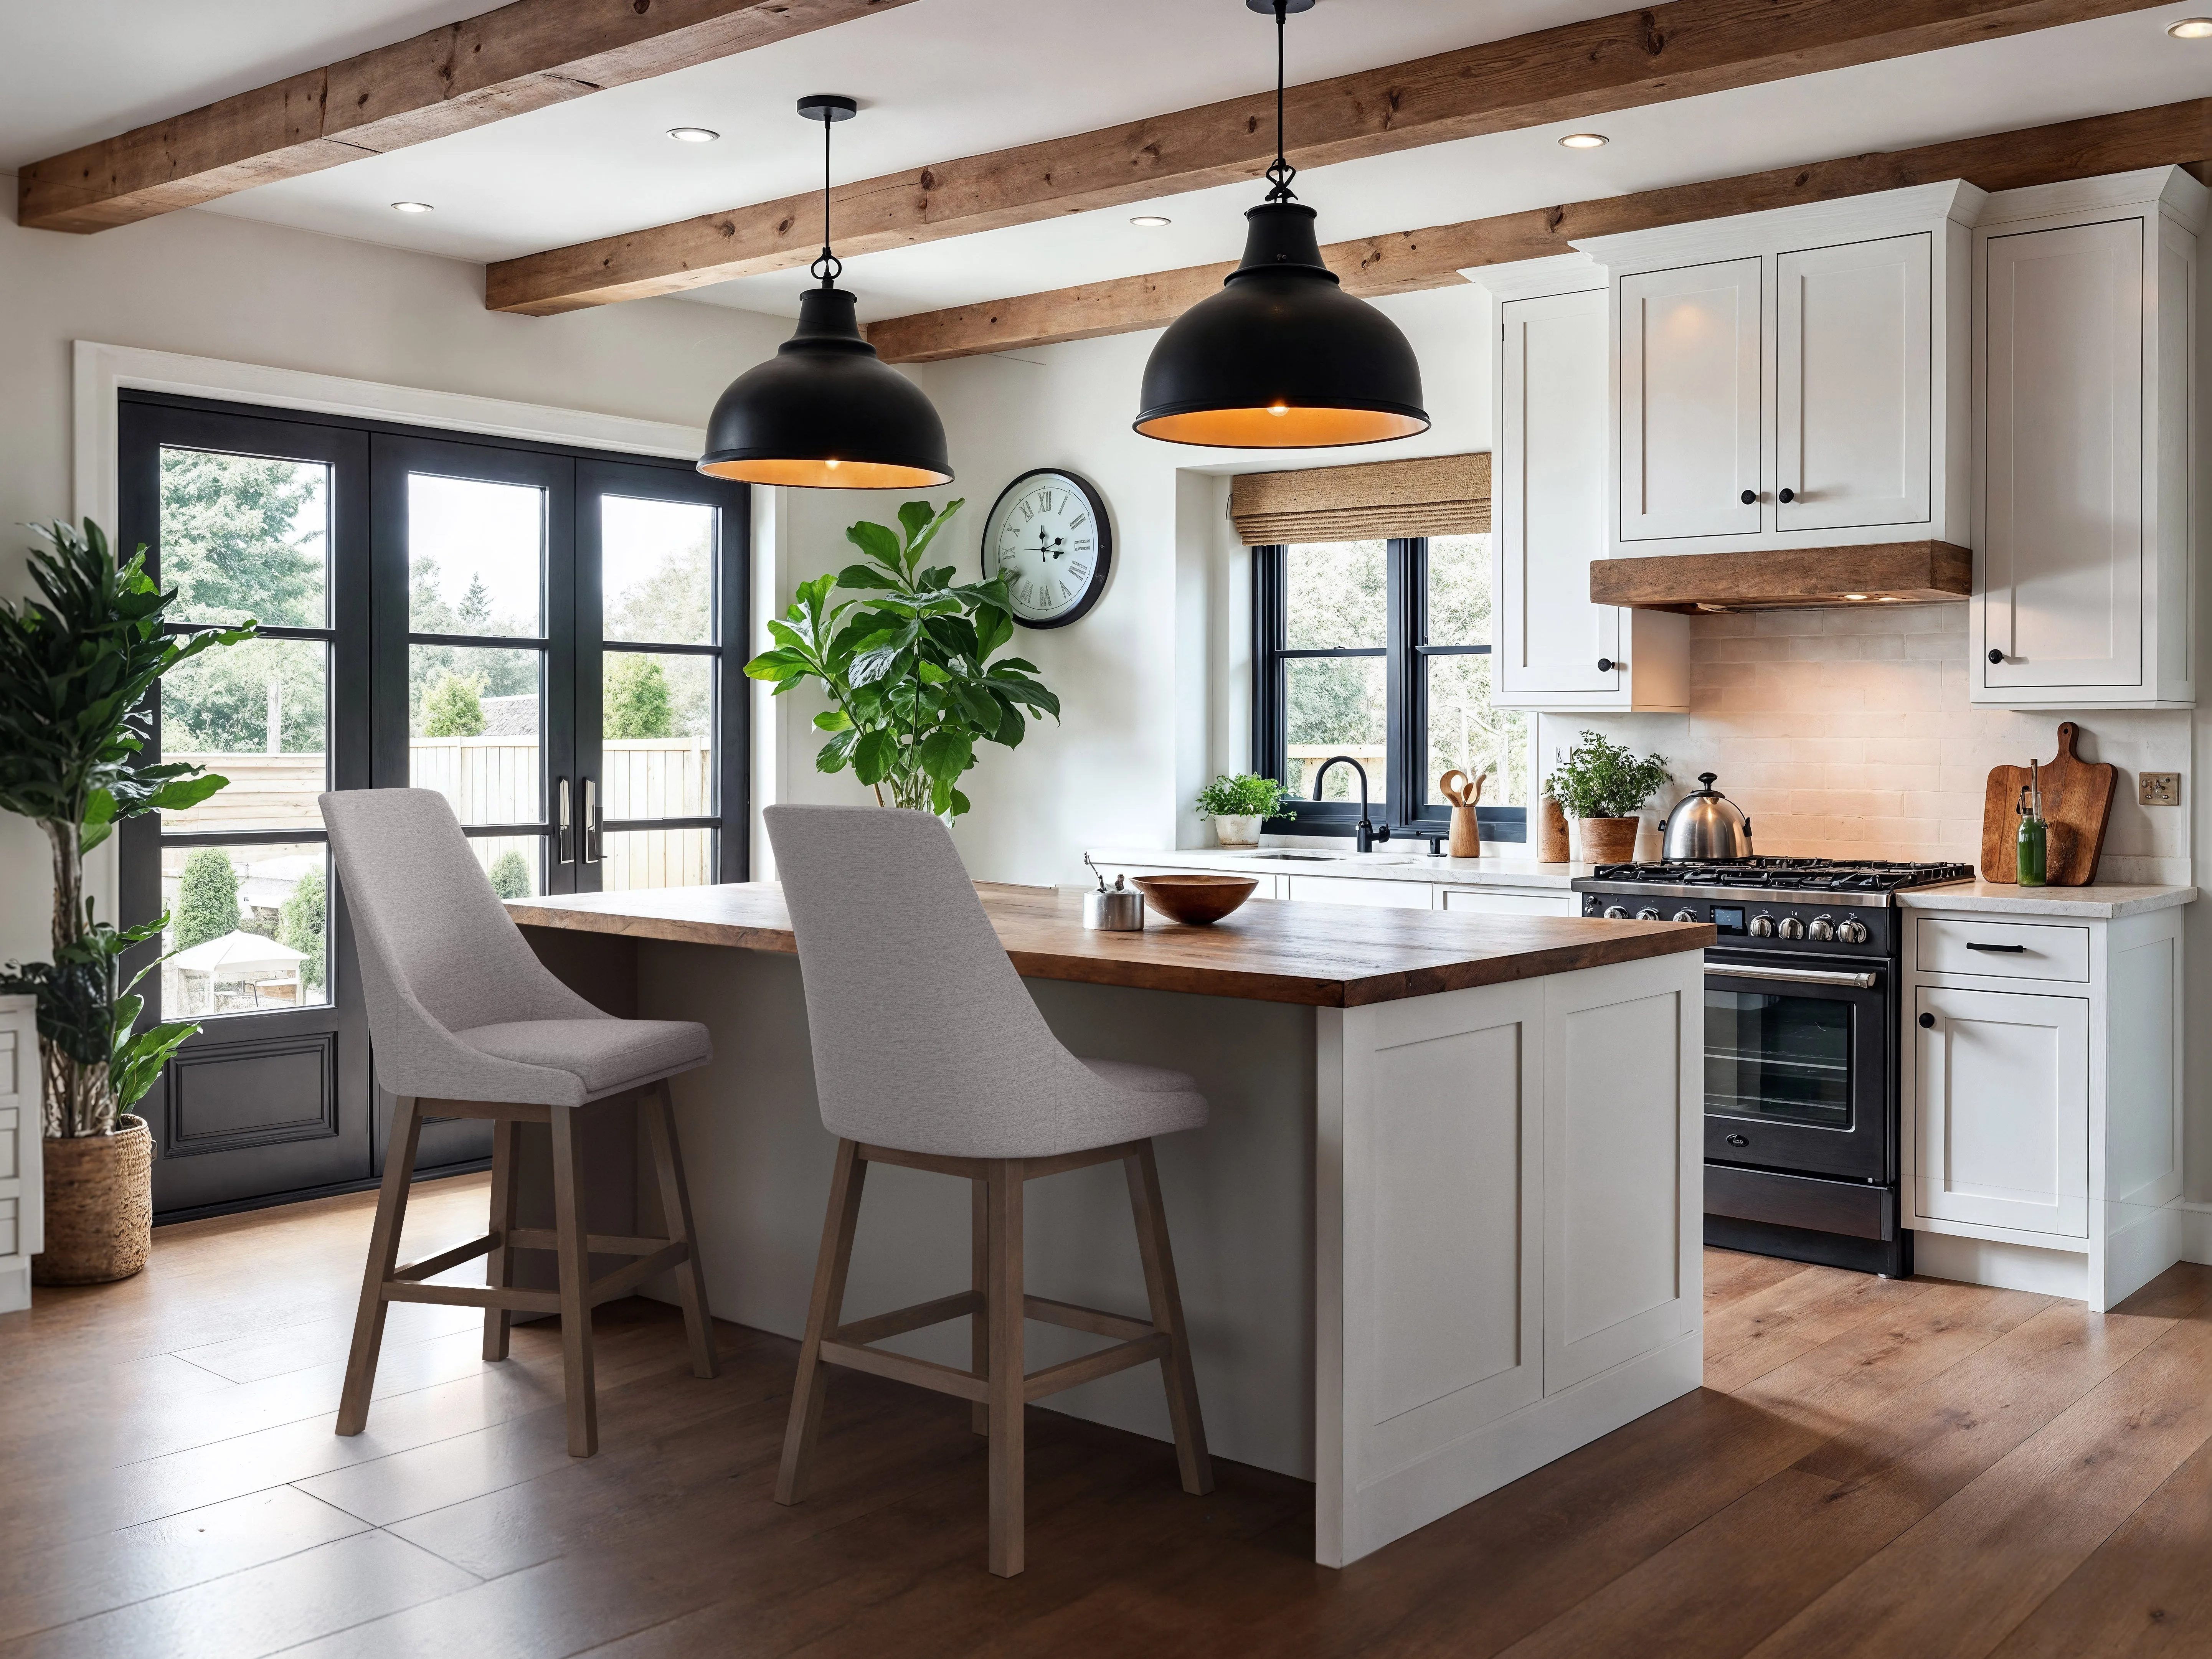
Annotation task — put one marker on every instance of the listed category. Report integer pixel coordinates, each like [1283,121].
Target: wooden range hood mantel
[1913,573]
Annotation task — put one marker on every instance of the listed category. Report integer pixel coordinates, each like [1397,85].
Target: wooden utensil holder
[1466,834]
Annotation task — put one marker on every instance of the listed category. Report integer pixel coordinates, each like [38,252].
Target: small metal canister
[1116,909]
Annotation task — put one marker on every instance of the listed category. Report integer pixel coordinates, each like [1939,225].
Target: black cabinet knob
[1786,496]
[1926,1022]
[1739,1141]
[1996,655]
[1605,665]
[1749,496]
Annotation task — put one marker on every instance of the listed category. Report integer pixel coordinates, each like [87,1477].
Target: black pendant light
[826,412]
[1282,358]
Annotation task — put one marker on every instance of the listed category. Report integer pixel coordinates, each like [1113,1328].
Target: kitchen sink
[1303,858]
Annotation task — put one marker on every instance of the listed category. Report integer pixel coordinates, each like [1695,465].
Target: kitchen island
[1441,1228]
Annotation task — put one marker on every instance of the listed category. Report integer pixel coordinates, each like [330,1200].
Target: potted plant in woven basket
[1604,785]
[75,668]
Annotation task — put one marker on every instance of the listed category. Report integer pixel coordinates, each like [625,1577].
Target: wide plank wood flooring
[1891,1469]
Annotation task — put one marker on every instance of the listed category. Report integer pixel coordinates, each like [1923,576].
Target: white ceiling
[943,78]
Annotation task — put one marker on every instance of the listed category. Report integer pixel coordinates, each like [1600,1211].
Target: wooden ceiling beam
[1678,50]
[1414,259]
[520,58]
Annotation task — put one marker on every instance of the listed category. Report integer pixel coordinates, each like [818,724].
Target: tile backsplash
[1847,733]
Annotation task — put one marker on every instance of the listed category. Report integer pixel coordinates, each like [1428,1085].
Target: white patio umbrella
[243,959]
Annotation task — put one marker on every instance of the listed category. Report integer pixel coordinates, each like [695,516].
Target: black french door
[438,611]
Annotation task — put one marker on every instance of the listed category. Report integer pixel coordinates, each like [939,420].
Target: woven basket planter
[100,1207]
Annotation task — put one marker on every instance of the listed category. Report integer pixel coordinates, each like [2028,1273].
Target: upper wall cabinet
[1794,378]
[2084,298]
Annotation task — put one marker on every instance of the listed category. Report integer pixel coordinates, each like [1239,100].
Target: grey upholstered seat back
[438,952]
[925,1038]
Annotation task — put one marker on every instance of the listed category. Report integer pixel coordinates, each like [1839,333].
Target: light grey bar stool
[462,1017]
[928,1053]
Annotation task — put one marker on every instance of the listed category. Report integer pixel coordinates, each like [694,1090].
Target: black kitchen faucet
[1367,835]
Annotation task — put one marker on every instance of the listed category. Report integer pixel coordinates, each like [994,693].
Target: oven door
[1798,1064]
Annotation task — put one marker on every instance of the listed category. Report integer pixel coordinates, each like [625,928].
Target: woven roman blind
[1439,495]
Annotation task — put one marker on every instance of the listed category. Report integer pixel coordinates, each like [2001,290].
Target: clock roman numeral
[1083,543]
[1028,512]
[1079,521]
[1080,570]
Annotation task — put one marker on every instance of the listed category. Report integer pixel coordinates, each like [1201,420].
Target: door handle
[1607,664]
[564,850]
[1999,950]
[1790,975]
[1926,1022]
[1748,497]
[1996,655]
[1785,496]
[591,821]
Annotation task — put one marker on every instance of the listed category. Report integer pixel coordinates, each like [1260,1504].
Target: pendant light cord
[1280,171]
[829,267]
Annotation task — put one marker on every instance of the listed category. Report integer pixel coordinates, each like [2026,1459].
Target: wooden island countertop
[1327,956]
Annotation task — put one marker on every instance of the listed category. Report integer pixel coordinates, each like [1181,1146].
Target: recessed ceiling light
[1585,140]
[2191,28]
[1854,596]
[1152,221]
[1888,599]
[693,135]
[410,207]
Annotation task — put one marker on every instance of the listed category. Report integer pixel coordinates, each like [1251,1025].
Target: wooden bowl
[1195,900]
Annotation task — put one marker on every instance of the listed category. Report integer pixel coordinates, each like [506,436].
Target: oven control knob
[1791,928]
[1616,912]
[1762,926]
[1649,913]
[1821,931]
[1684,915]
[1853,932]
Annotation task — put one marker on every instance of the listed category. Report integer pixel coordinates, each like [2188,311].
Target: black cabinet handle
[1749,496]
[1999,950]
[1739,1141]
[1605,665]
[1786,496]
[1926,1022]
[1996,655]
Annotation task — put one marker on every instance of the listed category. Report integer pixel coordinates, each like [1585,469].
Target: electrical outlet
[2159,788]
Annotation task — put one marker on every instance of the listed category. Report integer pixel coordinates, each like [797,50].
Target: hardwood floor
[1891,1470]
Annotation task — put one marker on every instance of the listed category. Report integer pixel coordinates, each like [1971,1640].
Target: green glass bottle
[2032,858]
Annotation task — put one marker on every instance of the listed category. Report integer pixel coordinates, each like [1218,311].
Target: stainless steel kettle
[1707,826]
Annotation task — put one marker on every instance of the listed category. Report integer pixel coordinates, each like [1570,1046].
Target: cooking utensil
[1707,827]
[2077,806]
[1113,909]
[1195,901]
[1466,832]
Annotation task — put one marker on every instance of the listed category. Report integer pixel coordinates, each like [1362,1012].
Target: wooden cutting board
[2077,803]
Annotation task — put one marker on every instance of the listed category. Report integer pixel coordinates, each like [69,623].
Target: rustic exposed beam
[520,58]
[1649,56]
[1416,259]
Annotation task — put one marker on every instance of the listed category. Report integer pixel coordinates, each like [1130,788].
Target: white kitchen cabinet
[1689,347]
[2042,1098]
[2083,343]
[1508,901]
[22,1213]
[1553,649]
[1358,890]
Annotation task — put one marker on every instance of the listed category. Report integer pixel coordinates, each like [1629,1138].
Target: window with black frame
[1381,650]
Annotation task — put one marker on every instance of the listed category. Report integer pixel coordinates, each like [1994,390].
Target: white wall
[219,287]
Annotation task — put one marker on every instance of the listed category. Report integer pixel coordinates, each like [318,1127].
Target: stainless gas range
[1801,1048]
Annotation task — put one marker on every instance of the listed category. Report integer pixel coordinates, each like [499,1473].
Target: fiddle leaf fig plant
[76,665]
[1601,779]
[912,670]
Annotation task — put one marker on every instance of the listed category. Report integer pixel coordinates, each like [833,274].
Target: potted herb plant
[908,668]
[75,668]
[1238,806]
[1604,785]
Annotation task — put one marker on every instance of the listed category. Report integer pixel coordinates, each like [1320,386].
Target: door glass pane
[1459,590]
[243,536]
[656,726]
[476,557]
[1787,1059]
[1466,734]
[258,714]
[657,570]
[248,928]
[476,729]
[1335,593]
[1337,707]
[516,864]
[656,858]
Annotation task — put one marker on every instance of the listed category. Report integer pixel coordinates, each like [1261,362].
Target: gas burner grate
[1797,875]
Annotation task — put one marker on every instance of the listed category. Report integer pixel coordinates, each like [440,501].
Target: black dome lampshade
[826,412]
[1282,358]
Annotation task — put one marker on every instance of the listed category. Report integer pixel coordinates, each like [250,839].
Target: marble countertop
[2101,901]
[1494,870]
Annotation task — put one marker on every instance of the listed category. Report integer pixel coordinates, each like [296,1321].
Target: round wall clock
[1049,535]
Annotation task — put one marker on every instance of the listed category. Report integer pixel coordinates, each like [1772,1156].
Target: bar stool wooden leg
[824,1313]
[1144,1174]
[979,1280]
[675,1207]
[499,1266]
[383,1257]
[1006,1397]
[576,1269]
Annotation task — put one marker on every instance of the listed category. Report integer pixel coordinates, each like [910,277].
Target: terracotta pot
[1238,831]
[100,1207]
[1609,841]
